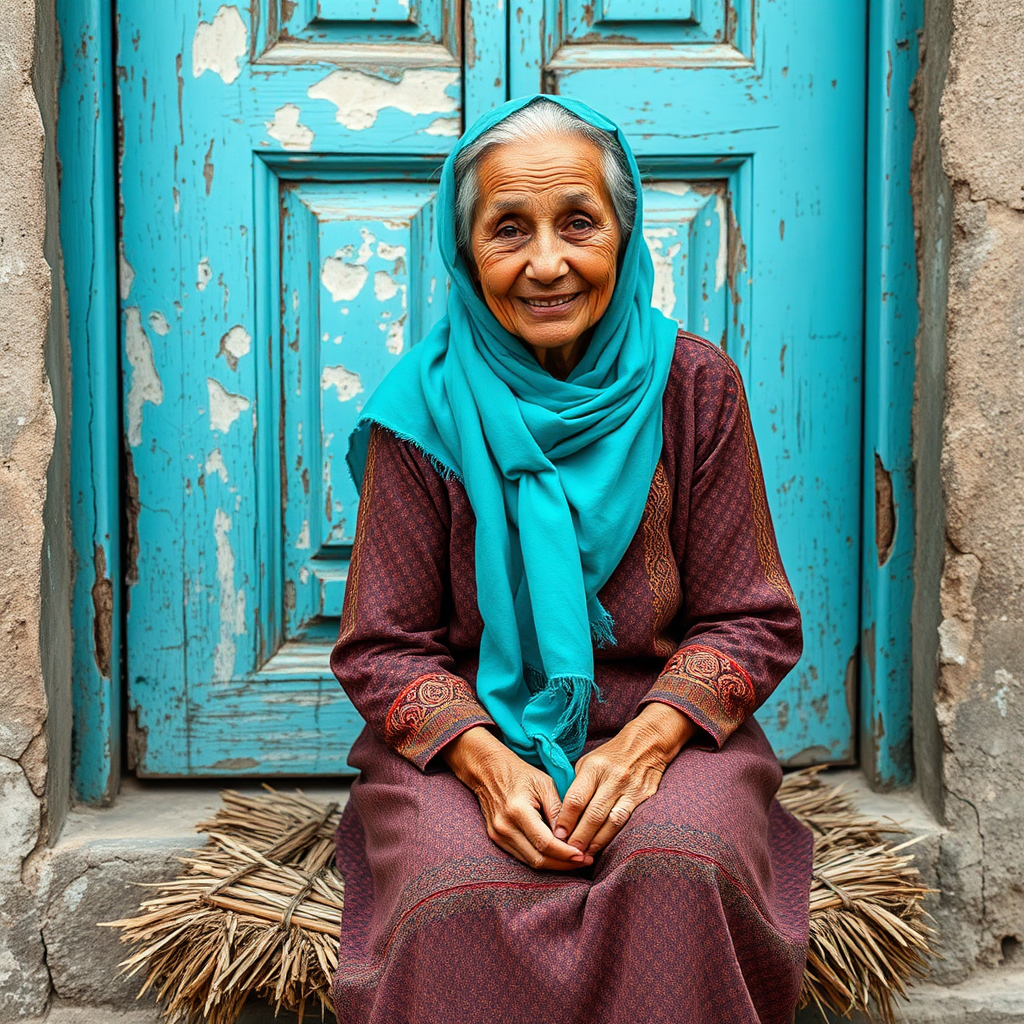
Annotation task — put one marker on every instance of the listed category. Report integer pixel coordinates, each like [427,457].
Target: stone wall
[979,689]
[34,549]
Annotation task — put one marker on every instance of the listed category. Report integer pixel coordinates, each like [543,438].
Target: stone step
[96,870]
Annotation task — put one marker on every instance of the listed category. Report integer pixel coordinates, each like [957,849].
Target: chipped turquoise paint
[85,145]
[890,328]
[277,194]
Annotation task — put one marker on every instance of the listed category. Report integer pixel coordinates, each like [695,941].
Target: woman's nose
[546,260]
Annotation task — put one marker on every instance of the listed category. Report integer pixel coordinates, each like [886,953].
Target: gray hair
[541,117]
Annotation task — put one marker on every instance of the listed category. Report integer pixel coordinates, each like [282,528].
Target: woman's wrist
[664,728]
[466,754]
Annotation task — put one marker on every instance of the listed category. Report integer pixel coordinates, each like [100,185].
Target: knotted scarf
[557,472]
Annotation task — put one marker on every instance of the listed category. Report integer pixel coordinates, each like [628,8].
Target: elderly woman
[565,602]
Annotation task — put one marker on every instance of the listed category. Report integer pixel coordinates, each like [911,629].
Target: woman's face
[545,242]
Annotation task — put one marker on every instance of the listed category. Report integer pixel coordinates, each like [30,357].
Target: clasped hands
[520,804]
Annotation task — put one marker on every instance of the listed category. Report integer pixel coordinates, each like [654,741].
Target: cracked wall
[34,542]
[979,694]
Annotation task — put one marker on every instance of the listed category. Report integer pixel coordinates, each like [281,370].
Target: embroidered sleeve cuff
[429,713]
[707,686]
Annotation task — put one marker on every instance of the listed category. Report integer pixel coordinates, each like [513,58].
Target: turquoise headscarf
[557,472]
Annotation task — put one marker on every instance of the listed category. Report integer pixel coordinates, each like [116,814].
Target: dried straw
[257,911]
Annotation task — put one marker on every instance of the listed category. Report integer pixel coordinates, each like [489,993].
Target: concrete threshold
[104,858]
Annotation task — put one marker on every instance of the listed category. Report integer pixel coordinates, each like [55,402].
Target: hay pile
[257,911]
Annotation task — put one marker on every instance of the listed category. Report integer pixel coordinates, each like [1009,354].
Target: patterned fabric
[429,713]
[697,911]
[709,687]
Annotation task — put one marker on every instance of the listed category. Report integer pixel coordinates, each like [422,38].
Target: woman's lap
[709,857]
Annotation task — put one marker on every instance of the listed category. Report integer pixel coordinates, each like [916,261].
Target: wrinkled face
[545,242]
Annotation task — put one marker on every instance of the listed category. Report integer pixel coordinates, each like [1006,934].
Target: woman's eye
[508,231]
[580,224]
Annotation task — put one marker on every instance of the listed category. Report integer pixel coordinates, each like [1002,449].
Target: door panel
[278,171]
[775,92]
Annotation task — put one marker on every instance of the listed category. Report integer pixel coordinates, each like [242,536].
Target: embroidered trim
[430,711]
[767,553]
[661,568]
[709,686]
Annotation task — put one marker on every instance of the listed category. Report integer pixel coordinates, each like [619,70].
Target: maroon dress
[697,911]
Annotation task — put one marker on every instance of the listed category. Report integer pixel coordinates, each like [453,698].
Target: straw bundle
[257,911]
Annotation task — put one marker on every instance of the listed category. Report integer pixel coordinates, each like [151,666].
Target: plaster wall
[34,549]
[972,495]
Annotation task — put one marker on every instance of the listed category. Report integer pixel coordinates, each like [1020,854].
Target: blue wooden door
[278,170]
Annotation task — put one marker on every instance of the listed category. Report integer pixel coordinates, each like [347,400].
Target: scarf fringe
[444,471]
[601,630]
[570,732]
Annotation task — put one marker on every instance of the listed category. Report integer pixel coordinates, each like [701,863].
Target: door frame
[104,494]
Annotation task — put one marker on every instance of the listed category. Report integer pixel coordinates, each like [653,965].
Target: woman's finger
[516,843]
[577,797]
[540,837]
[613,824]
[594,816]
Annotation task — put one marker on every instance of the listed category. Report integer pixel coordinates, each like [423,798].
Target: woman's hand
[519,802]
[616,777]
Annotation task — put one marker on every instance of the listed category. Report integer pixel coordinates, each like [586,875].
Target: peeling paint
[722,260]
[215,464]
[673,188]
[664,295]
[390,252]
[102,612]
[302,541]
[396,337]
[444,126]
[287,130]
[360,97]
[125,275]
[366,246]
[343,280]
[225,407]
[235,344]
[158,323]
[218,45]
[146,385]
[204,274]
[347,383]
[384,286]
[232,601]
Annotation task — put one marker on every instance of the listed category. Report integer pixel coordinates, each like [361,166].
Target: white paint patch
[232,601]
[396,337]
[225,407]
[443,126]
[215,464]
[390,252]
[302,541]
[146,385]
[664,296]
[384,286]
[366,246]
[304,575]
[235,344]
[218,45]
[722,260]
[673,188]
[346,382]
[204,273]
[158,323]
[125,275]
[343,280]
[287,130]
[360,97]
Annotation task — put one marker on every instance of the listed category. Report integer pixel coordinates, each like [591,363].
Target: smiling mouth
[553,303]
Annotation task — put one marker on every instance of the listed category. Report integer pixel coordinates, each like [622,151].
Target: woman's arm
[391,655]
